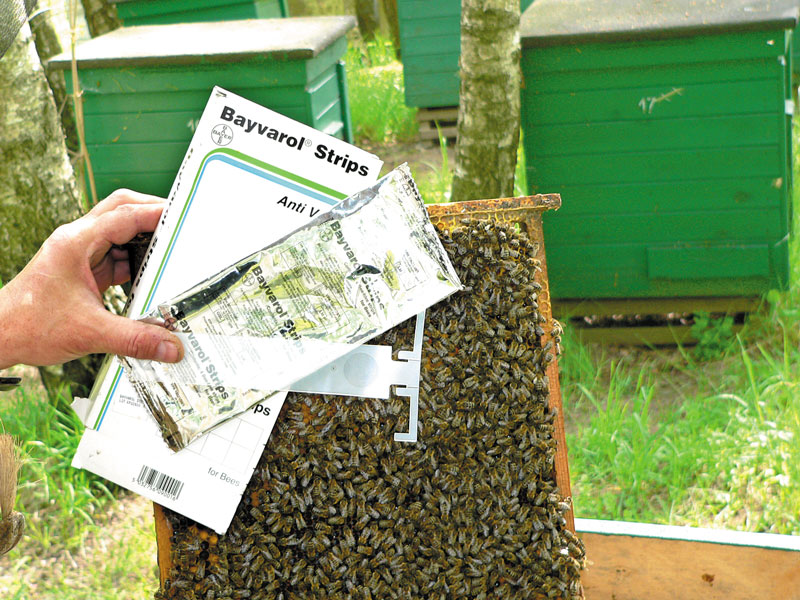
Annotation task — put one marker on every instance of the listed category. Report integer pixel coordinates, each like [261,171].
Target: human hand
[52,311]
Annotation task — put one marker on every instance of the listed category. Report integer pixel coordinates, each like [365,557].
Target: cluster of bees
[337,509]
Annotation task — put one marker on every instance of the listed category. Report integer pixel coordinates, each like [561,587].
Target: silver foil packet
[305,300]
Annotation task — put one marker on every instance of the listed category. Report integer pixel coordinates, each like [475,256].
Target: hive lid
[295,38]
[554,22]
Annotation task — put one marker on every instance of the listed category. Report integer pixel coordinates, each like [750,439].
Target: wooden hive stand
[433,121]
[647,321]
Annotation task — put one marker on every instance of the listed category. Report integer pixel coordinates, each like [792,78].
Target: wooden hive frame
[526,212]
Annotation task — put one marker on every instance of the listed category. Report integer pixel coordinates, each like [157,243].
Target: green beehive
[795,60]
[666,128]
[145,87]
[162,12]
[430,41]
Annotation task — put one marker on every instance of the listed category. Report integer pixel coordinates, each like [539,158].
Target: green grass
[60,502]
[377,99]
[67,511]
[719,450]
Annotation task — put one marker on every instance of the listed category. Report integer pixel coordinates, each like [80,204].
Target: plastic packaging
[281,313]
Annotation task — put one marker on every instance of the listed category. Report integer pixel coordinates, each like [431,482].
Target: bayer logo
[222,135]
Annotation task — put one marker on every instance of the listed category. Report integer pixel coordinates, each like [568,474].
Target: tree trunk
[368,18]
[47,46]
[298,8]
[489,108]
[101,16]
[393,23]
[37,187]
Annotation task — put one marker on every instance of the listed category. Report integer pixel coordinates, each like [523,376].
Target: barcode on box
[159,482]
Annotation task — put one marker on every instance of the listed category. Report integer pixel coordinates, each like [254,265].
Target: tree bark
[298,8]
[368,18]
[489,107]
[37,186]
[101,16]
[47,46]
[393,23]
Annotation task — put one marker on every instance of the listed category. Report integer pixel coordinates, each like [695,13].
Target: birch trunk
[37,187]
[101,16]
[368,18]
[47,46]
[392,22]
[489,108]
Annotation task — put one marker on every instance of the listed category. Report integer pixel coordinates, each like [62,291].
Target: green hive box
[145,87]
[430,42]
[796,59]
[666,128]
[161,12]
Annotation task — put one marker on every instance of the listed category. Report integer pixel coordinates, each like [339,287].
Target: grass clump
[60,503]
[377,96]
[653,438]
[80,541]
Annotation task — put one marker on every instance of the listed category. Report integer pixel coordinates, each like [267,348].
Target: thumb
[141,340]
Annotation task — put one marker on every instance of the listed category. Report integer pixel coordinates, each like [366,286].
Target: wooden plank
[410,9]
[163,538]
[657,134]
[446,117]
[432,90]
[157,12]
[581,78]
[329,119]
[428,26]
[610,271]
[709,260]
[645,166]
[141,158]
[535,231]
[642,104]
[144,8]
[613,283]
[289,104]
[446,113]
[444,62]
[565,308]
[721,229]
[428,132]
[430,52]
[725,537]
[753,193]
[323,92]
[632,561]
[656,335]
[181,81]
[271,9]
[654,53]
[620,270]
[139,126]
[157,184]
